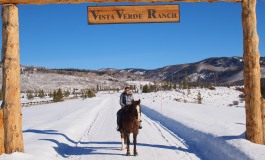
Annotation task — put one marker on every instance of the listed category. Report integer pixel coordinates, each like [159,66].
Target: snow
[174,127]
[138,83]
[214,129]
[51,81]
[194,76]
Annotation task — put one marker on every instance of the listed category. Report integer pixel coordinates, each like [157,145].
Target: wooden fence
[29,104]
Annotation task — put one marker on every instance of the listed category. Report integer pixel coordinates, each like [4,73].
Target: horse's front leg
[122,141]
[134,143]
[127,137]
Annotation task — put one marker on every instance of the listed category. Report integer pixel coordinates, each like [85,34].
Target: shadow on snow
[204,145]
[66,150]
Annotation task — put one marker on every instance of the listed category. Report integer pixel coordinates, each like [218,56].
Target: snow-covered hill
[35,78]
[221,70]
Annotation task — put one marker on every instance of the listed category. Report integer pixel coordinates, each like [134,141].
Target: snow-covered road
[101,141]
[86,129]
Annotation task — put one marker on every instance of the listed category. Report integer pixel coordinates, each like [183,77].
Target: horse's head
[136,103]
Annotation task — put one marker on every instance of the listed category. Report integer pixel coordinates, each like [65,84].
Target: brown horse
[130,125]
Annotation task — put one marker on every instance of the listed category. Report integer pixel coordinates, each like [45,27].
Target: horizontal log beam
[100,1]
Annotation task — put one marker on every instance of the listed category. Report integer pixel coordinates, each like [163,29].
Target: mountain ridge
[216,70]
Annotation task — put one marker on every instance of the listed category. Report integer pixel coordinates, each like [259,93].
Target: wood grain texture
[11,80]
[133,14]
[100,1]
[254,131]
[2,135]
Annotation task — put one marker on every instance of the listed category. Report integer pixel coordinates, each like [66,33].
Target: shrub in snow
[188,92]
[235,103]
[88,94]
[211,88]
[230,105]
[180,85]
[91,93]
[30,95]
[240,89]
[242,96]
[50,95]
[41,93]
[199,98]
[175,99]
[66,93]
[175,86]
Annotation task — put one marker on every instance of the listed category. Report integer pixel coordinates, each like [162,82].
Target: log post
[11,80]
[254,131]
[2,139]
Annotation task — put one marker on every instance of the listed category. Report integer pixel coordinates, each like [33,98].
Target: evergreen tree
[41,93]
[199,98]
[58,95]
[66,93]
[97,87]
[188,90]
[180,85]
[145,89]
[198,83]
[50,94]
[90,93]
[185,83]
[175,86]
[83,95]
[152,88]
[30,94]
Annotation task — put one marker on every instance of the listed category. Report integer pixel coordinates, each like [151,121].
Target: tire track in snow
[102,141]
[172,139]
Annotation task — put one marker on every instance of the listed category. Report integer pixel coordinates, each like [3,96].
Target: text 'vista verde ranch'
[133,14]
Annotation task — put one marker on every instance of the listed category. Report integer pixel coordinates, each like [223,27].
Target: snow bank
[215,130]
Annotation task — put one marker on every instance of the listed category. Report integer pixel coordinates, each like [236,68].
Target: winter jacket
[126,99]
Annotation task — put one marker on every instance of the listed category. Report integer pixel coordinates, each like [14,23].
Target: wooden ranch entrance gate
[11,139]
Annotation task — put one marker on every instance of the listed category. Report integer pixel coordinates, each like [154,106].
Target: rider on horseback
[125,101]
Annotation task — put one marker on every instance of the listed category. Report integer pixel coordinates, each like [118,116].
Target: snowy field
[174,127]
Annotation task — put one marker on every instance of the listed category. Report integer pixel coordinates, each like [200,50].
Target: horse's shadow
[66,150]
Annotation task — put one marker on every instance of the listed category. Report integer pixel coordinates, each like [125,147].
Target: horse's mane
[132,110]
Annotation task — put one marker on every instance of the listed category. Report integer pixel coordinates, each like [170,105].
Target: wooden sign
[133,14]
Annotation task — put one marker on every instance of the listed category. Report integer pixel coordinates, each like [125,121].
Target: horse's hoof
[135,154]
[128,154]
[123,148]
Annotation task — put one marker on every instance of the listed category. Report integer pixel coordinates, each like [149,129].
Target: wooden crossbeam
[100,1]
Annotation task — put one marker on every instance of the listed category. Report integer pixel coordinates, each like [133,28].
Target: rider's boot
[140,124]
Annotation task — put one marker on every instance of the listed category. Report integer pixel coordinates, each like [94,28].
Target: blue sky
[58,36]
